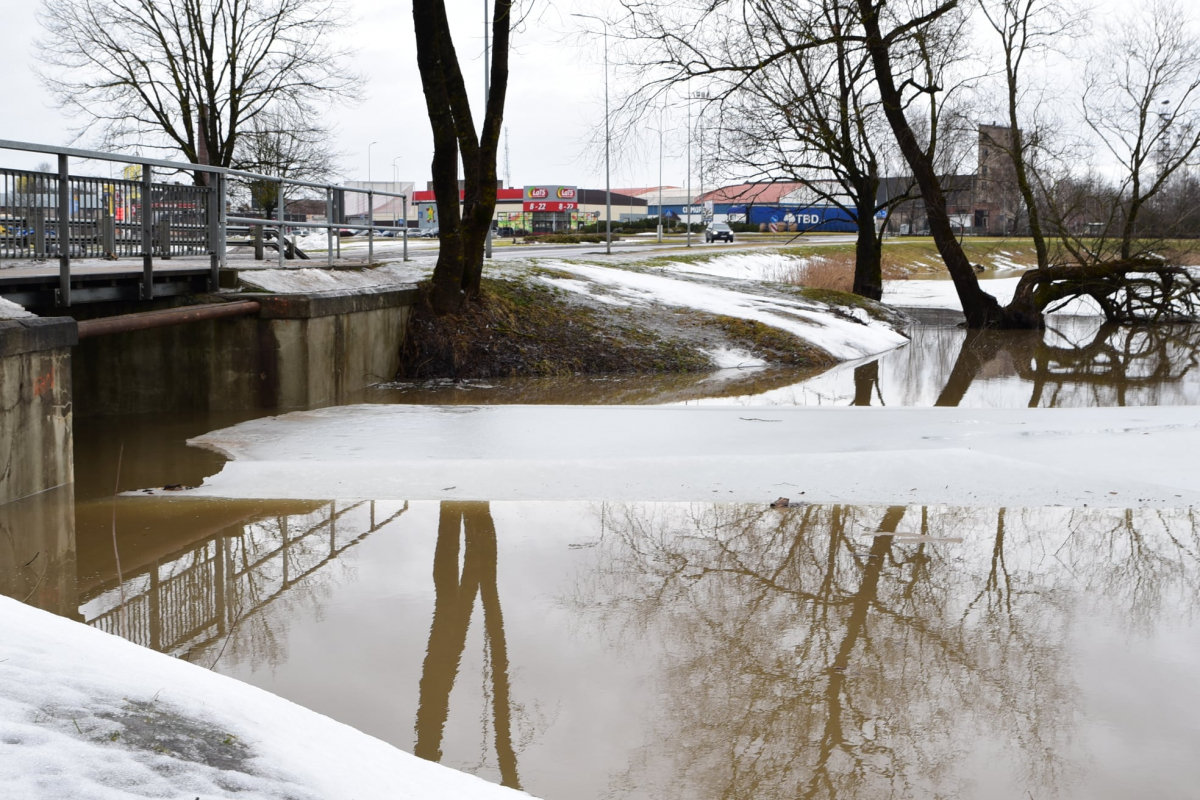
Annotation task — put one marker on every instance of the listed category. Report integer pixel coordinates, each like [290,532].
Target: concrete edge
[325,304]
[34,334]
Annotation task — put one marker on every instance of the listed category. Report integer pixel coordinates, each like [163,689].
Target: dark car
[718,230]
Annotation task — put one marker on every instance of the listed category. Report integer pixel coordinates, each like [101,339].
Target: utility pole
[370,199]
[688,199]
[660,155]
[487,93]
[607,143]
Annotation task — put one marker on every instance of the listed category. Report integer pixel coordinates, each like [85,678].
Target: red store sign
[550,198]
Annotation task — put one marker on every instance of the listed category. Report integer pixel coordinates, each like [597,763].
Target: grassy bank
[523,327]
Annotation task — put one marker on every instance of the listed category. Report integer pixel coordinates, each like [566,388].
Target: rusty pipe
[170,316]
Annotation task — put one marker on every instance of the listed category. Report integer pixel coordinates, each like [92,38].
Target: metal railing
[71,217]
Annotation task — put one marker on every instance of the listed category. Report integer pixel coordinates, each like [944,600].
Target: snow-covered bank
[723,286]
[843,333]
[942,294]
[980,457]
[84,715]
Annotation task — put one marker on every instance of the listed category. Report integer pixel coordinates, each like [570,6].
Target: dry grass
[835,271]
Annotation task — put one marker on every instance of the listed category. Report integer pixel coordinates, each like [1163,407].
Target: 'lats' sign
[551,198]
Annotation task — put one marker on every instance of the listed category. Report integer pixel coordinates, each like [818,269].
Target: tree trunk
[868,248]
[459,268]
[979,307]
[446,296]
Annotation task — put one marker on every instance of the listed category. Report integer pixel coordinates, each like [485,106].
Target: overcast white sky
[555,95]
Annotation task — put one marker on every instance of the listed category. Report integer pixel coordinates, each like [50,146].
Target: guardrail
[71,217]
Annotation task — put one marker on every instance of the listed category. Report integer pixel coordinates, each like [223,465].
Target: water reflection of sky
[716,650]
[1074,362]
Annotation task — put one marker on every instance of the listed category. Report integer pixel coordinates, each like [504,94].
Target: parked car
[429,233]
[718,230]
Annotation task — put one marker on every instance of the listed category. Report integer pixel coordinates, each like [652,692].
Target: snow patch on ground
[309,280]
[730,358]
[1121,457]
[942,294]
[768,266]
[84,714]
[10,310]
[814,322]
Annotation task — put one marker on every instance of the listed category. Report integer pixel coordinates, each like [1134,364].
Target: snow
[10,310]
[995,457]
[941,294]
[814,322]
[84,714]
[732,358]
[306,280]
[761,266]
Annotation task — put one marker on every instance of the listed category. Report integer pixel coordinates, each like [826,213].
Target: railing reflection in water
[191,599]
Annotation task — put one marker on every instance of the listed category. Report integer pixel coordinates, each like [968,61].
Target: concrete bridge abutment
[298,351]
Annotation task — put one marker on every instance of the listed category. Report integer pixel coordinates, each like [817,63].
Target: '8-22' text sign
[551,198]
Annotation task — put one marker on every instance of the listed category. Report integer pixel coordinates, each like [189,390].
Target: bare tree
[1025,29]
[1142,100]
[190,76]
[813,118]
[283,143]
[459,268]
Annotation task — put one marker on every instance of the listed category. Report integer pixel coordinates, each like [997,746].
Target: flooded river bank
[686,650]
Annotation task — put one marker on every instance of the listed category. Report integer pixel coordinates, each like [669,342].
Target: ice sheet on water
[975,456]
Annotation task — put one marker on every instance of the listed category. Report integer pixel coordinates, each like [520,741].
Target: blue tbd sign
[800,218]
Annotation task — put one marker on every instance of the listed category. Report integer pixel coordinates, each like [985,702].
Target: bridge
[68,238]
[120,294]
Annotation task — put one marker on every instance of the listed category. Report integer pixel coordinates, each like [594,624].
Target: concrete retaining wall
[35,405]
[301,351]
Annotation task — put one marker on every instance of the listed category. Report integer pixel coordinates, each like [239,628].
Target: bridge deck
[34,284]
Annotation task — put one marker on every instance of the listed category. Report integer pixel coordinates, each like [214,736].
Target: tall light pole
[395,183]
[607,144]
[487,94]
[370,201]
[659,131]
[691,96]
[688,199]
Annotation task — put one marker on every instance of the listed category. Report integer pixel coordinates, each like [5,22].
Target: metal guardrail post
[371,230]
[108,235]
[214,233]
[258,242]
[64,232]
[39,232]
[164,238]
[405,204]
[223,225]
[329,230]
[281,204]
[147,235]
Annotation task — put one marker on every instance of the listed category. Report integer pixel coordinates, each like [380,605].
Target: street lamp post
[692,96]
[370,202]
[487,96]
[395,183]
[688,199]
[607,144]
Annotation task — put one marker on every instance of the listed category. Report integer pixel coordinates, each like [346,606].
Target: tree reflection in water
[465,526]
[857,652]
[1075,362]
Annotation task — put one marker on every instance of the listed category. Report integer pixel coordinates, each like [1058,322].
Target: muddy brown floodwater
[690,651]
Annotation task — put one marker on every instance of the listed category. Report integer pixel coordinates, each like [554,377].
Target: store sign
[551,198]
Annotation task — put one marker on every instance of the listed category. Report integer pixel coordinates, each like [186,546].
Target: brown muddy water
[642,650]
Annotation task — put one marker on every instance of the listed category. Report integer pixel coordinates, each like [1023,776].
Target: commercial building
[538,209]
